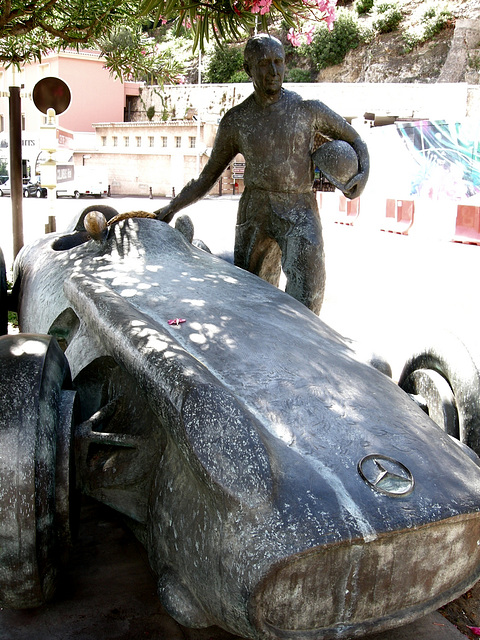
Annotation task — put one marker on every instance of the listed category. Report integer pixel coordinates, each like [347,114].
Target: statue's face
[267,69]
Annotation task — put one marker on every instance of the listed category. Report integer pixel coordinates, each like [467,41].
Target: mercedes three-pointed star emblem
[386,475]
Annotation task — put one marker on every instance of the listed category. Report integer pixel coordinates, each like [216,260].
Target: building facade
[96,96]
[158,159]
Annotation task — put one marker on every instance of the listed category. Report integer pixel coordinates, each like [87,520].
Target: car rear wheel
[36,425]
[38,193]
[76,195]
[446,382]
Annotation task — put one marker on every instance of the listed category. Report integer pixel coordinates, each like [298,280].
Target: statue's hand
[165,214]
[355,186]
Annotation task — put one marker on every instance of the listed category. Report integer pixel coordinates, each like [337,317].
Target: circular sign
[51,93]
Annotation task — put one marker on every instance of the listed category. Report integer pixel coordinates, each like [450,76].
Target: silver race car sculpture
[284,490]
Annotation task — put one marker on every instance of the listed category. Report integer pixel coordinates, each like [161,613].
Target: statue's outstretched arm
[222,154]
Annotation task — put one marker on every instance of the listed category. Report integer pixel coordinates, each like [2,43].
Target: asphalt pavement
[384,290]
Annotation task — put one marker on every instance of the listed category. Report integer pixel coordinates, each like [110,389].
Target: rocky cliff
[451,56]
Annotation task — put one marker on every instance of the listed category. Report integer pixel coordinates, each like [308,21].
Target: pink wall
[96,95]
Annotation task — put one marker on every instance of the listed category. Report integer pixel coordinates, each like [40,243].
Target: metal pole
[16,183]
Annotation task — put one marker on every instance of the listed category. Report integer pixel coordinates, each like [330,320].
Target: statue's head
[264,61]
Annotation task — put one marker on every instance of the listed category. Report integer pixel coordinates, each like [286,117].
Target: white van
[75,181]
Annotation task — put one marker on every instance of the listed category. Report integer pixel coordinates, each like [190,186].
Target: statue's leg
[259,254]
[303,262]
[255,250]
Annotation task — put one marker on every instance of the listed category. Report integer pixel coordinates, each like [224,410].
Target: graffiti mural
[447,158]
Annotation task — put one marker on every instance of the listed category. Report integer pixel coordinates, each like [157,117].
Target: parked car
[5,189]
[283,488]
[34,190]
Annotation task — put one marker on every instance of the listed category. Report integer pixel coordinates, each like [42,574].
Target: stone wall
[403,100]
[147,164]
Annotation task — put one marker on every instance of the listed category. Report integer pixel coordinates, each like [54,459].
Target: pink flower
[309,35]
[177,321]
[179,79]
[261,6]
[293,38]
[328,8]
[475,630]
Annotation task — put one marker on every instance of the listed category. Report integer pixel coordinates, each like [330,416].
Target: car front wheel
[36,468]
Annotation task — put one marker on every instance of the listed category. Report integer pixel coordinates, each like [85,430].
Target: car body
[5,189]
[34,190]
[282,488]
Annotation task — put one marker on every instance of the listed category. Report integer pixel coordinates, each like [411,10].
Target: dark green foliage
[388,18]
[433,23]
[364,6]
[240,76]
[298,75]
[330,47]
[224,64]
[436,22]
[13,319]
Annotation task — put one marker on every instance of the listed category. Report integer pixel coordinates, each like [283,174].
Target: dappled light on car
[151,339]
[29,347]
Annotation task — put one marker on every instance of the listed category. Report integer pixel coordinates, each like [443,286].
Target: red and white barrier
[467,224]
[348,210]
[399,216]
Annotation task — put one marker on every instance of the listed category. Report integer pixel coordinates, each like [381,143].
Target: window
[138,140]
[44,70]
[164,141]
[104,141]
[24,126]
[178,142]
[126,141]
[193,142]
[115,141]
[151,141]
[2,123]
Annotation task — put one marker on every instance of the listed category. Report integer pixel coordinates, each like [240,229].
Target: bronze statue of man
[278,224]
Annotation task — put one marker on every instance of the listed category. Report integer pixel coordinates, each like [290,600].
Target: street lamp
[16,185]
